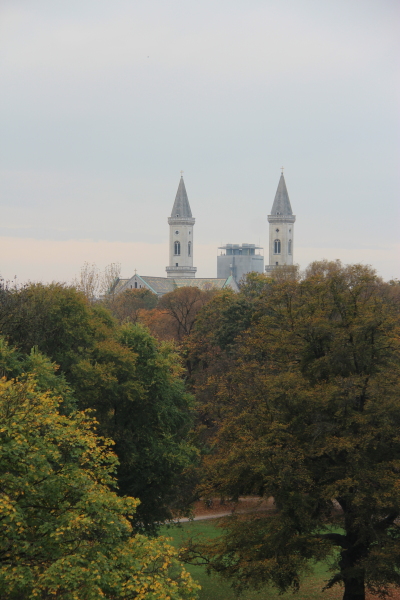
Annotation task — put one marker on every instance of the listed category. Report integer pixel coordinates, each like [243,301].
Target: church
[234,260]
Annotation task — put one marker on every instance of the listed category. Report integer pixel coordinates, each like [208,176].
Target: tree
[133,384]
[308,412]
[126,307]
[56,318]
[211,348]
[161,325]
[182,305]
[89,281]
[93,282]
[109,278]
[64,532]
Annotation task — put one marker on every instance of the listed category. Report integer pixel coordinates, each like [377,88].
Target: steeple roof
[181,208]
[281,205]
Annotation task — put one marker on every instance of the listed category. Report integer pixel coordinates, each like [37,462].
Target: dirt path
[215,509]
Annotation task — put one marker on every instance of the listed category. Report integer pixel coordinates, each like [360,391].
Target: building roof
[163,285]
[159,285]
[212,283]
[181,208]
[118,285]
[281,205]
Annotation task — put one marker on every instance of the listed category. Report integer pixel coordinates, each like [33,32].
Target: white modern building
[238,260]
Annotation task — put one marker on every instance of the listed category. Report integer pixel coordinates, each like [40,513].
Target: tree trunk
[354,589]
[353,576]
[351,556]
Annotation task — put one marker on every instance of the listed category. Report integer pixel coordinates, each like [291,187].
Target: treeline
[289,389]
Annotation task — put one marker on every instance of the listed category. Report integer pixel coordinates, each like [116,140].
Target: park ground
[215,588]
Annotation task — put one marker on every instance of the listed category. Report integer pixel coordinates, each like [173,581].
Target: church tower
[281,229]
[181,225]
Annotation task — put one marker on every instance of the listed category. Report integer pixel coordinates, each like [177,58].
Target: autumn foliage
[131,382]
[64,532]
[296,387]
[299,399]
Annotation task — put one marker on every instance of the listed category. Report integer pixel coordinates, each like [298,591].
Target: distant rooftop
[240,249]
[241,246]
[163,285]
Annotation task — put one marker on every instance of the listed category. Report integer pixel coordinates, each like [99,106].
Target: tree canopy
[127,306]
[64,532]
[305,409]
[132,383]
[176,313]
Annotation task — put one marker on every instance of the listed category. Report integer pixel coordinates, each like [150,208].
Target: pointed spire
[281,205]
[181,208]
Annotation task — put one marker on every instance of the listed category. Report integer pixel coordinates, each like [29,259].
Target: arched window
[290,246]
[189,248]
[177,248]
[277,246]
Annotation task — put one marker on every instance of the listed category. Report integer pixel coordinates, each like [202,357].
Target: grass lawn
[215,588]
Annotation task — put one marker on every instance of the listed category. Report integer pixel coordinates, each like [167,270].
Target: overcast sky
[104,102]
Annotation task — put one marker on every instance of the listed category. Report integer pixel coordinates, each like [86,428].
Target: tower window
[176,232]
[290,246]
[277,246]
[177,248]
[277,230]
[176,264]
[189,248]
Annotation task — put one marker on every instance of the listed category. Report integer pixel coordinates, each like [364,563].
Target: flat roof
[240,246]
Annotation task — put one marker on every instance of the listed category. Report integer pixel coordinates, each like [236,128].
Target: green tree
[64,533]
[308,412]
[16,364]
[136,386]
[55,318]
